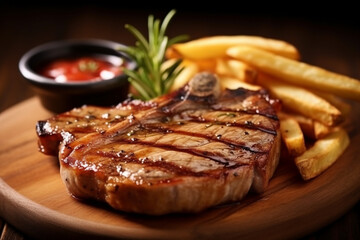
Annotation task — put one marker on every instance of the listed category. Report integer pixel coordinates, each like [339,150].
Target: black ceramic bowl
[62,96]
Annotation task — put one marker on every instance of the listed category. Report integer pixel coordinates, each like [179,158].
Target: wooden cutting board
[34,199]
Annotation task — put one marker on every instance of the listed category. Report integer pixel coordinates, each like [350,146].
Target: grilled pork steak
[183,152]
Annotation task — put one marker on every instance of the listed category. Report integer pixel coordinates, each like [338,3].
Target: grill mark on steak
[111,158]
[168,166]
[206,154]
[81,121]
[247,124]
[247,111]
[210,137]
[184,151]
[234,118]
[161,137]
[110,166]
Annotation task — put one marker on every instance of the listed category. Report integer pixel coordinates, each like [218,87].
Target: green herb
[88,66]
[150,79]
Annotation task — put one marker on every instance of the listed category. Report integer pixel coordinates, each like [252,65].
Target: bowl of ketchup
[72,73]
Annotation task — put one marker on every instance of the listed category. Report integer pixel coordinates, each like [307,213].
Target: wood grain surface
[35,200]
[327,36]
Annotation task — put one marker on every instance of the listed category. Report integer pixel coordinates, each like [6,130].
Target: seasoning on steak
[182,152]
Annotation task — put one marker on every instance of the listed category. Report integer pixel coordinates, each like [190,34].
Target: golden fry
[190,69]
[216,46]
[235,68]
[311,128]
[339,103]
[323,154]
[171,53]
[298,73]
[320,130]
[234,83]
[292,136]
[302,101]
[208,65]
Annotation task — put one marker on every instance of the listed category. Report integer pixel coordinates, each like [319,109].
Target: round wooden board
[34,199]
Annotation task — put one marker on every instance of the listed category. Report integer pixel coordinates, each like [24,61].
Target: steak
[183,152]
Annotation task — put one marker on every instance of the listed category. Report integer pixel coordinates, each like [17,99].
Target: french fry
[235,68]
[320,130]
[171,53]
[339,103]
[311,128]
[322,154]
[208,65]
[216,46]
[302,101]
[190,69]
[306,124]
[234,83]
[292,136]
[298,73]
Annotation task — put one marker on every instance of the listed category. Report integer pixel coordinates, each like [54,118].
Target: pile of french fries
[312,98]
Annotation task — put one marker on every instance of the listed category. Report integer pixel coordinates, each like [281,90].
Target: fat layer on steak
[182,152]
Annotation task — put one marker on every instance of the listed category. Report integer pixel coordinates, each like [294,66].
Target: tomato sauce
[82,69]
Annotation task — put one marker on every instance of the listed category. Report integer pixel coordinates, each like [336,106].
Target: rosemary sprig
[150,79]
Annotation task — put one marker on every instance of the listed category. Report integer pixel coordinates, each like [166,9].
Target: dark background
[327,35]
[328,31]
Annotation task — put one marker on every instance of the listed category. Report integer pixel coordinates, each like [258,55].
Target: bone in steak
[182,152]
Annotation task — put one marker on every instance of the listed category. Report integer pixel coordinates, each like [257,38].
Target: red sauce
[81,69]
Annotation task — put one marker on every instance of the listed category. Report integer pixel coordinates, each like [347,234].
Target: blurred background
[327,36]
[322,34]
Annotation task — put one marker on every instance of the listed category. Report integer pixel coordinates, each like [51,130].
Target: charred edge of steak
[41,130]
[48,140]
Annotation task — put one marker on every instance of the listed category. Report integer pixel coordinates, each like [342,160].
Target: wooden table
[325,40]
